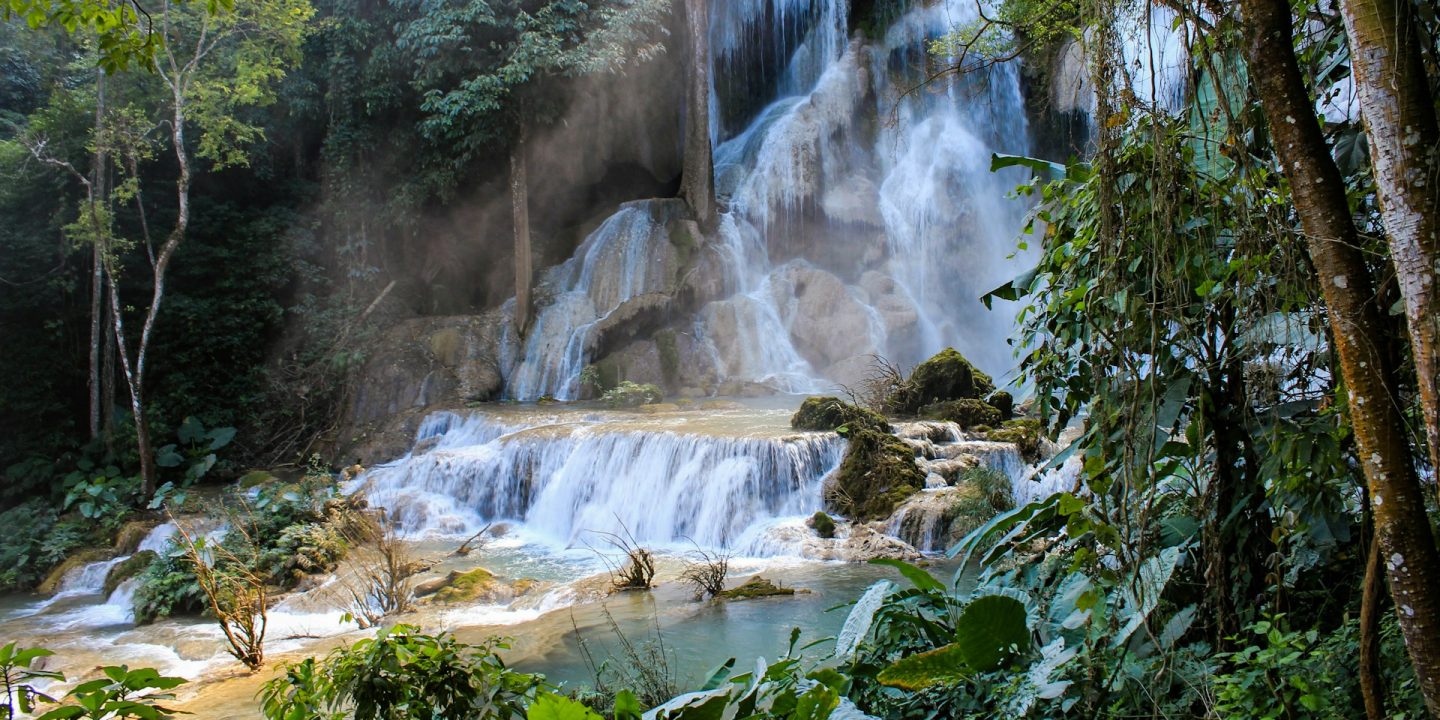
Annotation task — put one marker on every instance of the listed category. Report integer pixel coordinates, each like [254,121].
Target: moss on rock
[823,524]
[829,413]
[1004,402]
[468,586]
[630,395]
[1026,434]
[128,568]
[76,560]
[945,376]
[967,413]
[756,587]
[877,474]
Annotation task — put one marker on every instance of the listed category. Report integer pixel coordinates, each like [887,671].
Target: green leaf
[627,706]
[554,707]
[220,437]
[917,672]
[992,629]
[918,577]
[718,675]
[1000,161]
[191,431]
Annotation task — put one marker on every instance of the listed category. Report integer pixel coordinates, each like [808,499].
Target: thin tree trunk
[520,207]
[97,273]
[698,175]
[1402,529]
[1372,688]
[107,382]
[1399,112]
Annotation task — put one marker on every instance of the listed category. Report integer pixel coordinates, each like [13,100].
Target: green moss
[829,413]
[254,478]
[946,376]
[128,568]
[669,347]
[74,561]
[1025,434]
[877,474]
[823,524]
[629,394]
[967,413]
[1004,402]
[467,586]
[756,587]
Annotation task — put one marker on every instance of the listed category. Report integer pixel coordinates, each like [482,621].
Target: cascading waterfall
[861,218]
[567,479]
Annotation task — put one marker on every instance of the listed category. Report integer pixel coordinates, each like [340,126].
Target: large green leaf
[917,672]
[921,579]
[1000,161]
[991,630]
[555,707]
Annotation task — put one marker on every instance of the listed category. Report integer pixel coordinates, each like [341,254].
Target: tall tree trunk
[1401,526]
[97,272]
[1372,687]
[520,209]
[1399,112]
[698,175]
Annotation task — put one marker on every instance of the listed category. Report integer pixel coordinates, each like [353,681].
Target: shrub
[403,674]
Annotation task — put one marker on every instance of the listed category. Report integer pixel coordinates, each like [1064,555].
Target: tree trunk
[1402,529]
[520,208]
[97,273]
[1372,687]
[698,176]
[1399,112]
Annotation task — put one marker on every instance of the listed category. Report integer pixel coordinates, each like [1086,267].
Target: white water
[571,480]
[882,199]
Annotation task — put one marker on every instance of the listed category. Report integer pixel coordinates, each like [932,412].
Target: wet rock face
[417,364]
[827,321]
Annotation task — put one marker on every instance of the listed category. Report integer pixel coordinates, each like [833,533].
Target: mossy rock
[877,474]
[128,568]
[828,413]
[658,408]
[1004,402]
[756,587]
[256,478]
[823,524]
[1025,434]
[946,376]
[131,534]
[968,413]
[468,586]
[631,395]
[80,558]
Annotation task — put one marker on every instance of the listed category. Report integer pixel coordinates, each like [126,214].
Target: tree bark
[698,175]
[1372,688]
[1399,113]
[1402,529]
[97,272]
[520,208]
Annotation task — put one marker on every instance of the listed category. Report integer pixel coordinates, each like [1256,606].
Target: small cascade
[629,256]
[88,579]
[566,481]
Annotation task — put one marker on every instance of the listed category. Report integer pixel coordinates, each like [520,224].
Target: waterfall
[860,218]
[568,479]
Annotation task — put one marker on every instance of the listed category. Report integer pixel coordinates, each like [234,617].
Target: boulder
[877,474]
[756,587]
[828,413]
[128,568]
[968,413]
[827,322]
[945,376]
[822,524]
[1027,435]
[473,586]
